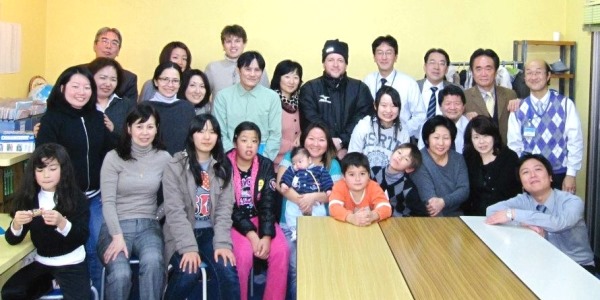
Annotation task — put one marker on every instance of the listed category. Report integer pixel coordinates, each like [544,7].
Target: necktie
[541,208]
[540,107]
[432,103]
[383,81]
[489,103]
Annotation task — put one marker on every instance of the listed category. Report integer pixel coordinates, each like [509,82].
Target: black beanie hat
[335,46]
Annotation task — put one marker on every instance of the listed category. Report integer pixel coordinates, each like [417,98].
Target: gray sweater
[129,188]
[449,182]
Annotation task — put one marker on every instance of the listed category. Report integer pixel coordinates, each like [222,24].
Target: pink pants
[279,259]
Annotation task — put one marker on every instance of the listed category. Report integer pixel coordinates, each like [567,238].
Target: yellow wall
[31,14]
[282,29]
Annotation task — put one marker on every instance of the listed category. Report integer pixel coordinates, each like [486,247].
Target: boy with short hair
[304,178]
[357,199]
[400,189]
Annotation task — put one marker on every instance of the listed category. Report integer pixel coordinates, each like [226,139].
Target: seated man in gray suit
[485,97]
[436,62]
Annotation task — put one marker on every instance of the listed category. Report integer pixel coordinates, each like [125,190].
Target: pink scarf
[237,178]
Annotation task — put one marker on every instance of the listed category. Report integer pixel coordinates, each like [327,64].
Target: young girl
[198,205]
[50,206]
[256,232]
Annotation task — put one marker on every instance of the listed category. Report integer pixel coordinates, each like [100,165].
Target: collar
[544,98]
[483,92]
[428,85]
[241,91]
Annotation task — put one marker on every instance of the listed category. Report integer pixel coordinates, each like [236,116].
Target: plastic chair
[204,279]
[55,293]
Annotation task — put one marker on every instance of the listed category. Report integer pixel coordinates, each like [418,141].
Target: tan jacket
[179,189]
[476,103]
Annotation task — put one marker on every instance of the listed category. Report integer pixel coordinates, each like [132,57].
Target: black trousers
[35,280]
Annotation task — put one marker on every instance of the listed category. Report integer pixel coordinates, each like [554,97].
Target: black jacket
[339,103]
[47,240]
[265,200]
[84,136]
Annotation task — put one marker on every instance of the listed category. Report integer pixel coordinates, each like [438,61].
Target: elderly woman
[195,88]
[492,167]
[108,75]
[250,101]
[442,179]
[286,82]
[175,52]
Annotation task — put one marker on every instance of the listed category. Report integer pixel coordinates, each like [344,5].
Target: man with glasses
[107,43]
[385,54]
[436,61]
[547,123]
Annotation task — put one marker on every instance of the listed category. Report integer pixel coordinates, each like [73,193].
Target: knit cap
[335,46]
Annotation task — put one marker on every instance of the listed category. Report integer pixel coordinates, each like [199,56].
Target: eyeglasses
[106,42]
[438,63]
[385,53]
[166,80]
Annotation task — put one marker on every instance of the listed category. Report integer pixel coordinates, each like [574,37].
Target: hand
[254,239]
[361,218]
[190,262]
[264,247]
[226,254]
[337,142]
[471,115]
[115,247]
[341,153]
[305,203]
[498,217]
[568,184]
[513,105]
[21,217]
[297,142]
[435,206]
[54,218]
[284,188]
[109,124]
[36,129]
[537,229]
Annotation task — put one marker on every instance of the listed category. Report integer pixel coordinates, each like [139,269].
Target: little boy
[357,199]
[304,178]
[400,189]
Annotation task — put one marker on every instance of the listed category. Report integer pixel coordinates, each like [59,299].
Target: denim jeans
[35,280]
[143,238]
[96,219]
[222,281]
[291,290]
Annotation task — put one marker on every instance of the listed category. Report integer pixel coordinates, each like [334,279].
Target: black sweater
[47,240]
[84,136]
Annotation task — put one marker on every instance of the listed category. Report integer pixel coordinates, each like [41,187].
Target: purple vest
[549,139]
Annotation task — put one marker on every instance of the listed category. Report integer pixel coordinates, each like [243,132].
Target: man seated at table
[357,199]
[554,214]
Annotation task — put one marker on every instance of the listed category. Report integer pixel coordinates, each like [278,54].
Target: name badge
[529,131]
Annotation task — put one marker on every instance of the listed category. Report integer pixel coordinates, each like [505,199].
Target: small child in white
[304,177]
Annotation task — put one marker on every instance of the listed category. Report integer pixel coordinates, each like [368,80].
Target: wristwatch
[509,214]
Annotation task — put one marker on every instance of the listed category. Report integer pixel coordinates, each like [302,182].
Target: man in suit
[107,43]
[436,61]
[385,54]
[485,98]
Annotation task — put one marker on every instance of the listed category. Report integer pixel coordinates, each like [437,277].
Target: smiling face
[386,111]
[401,161]
[484,72]
[316,143]
[142,134]
[108,45]
[536,76]
[535,177]
[233,46]
[289,83]
[49,176]
[205,140]
[435,68]
[452,107]
[440,141]
[334,65]
[246,145]
[106,81]
[484,144]
[250,75]
[357,178]
[77,91]
[385,57]
[195,90]
[168,82]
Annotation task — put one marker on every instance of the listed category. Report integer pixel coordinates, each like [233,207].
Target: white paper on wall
[10,47]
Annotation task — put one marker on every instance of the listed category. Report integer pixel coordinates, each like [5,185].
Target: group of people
[212,169]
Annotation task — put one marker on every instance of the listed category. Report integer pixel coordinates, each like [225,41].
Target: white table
[548,272]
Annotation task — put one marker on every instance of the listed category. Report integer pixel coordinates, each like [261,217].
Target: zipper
[87,153]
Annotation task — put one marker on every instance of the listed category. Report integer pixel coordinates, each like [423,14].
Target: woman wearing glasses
[175,114]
